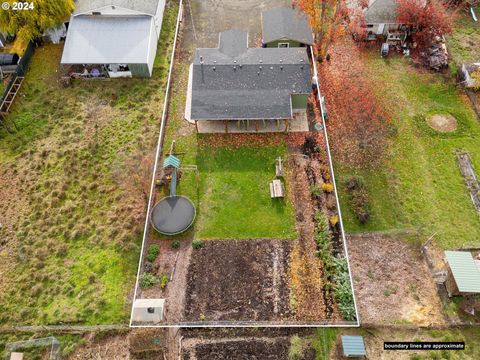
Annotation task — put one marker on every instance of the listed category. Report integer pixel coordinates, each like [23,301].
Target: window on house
[96,13]
[283,45]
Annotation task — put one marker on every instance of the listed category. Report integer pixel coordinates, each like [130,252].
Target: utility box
[148,311]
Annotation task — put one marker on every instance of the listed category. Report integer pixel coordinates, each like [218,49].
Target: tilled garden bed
[238,280]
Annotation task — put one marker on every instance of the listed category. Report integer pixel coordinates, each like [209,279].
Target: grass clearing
[420,184]
[79,204]
[463,42]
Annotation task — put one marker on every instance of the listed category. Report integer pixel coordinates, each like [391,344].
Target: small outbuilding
[149,311]
[463,274]
[284,27]
[353,346]
[115,38]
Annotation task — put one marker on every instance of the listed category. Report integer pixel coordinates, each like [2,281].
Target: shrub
[197,244]
[358,198]
[315,190]
[334,220]
[164,281]
[153,251]
[327,187]
[175,244]
[148,267]
[296,348]
[148,280]
[343,289]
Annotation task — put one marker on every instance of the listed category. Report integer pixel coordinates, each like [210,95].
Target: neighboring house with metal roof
[285,27]
[119,36]
[234,82]
[353,346]
[463,275]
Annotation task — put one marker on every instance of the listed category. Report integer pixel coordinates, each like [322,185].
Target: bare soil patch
[243,343]
[238,280]
[111,347]
[442,122]
[392,281]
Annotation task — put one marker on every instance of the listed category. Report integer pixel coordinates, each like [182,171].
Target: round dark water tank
[8,59]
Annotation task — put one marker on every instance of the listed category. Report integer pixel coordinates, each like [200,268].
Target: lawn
[463,42]
[77,206]
[235,197]
[419,185]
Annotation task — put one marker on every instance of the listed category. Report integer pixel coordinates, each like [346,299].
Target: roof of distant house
[148,7]
[237,82]
[285,23]
[464,270]
[381,12]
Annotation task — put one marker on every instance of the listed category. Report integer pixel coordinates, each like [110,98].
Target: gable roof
[381,12]
[147,7]
[109,40]
[464,270]
[285,23]
[236,82]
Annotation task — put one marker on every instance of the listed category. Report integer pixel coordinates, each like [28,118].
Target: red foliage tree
[359,124]
[430,18]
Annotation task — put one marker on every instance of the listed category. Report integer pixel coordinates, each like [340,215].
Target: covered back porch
[299,123]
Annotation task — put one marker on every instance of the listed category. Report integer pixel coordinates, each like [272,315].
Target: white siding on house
[159,17]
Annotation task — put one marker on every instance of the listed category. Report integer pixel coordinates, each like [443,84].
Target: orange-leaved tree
[327,19]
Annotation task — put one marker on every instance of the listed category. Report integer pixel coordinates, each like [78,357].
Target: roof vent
[281,61]
[261,61]
[201,60]
[214,68]
[260,67]
[234,68]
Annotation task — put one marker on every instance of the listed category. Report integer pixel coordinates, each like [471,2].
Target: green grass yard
[235,197]
[420,184]
[80,214]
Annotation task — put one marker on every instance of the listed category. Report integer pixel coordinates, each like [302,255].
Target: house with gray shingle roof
[234,83]
[115,37]
[285,27]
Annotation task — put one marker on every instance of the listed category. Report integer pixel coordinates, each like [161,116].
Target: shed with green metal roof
[463,277]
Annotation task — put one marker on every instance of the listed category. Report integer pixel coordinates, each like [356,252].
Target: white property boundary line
[152,187]
[334,182]
[157,155]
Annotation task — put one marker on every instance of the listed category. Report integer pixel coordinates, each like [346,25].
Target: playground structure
[173,214]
